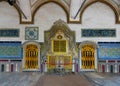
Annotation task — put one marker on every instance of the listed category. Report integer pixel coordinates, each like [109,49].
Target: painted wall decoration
[10,50]
[31,33]
[98,32]
[109,50]
[9,32]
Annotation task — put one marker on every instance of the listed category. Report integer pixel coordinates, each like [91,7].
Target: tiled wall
[109,50]
[10,50]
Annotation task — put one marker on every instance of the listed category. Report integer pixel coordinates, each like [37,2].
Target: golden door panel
[88,59]
[31,57]
[60,62]
[51,62]
[68,62]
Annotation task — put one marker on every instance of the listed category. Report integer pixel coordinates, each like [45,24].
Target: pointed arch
[20,16]
[59,3]
[106,2]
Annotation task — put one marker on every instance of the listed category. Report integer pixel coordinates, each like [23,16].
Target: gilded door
[31,57]
[62,62]
[88,57]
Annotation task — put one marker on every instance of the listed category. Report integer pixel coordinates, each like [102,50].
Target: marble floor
[19,79]
[103,79]
[38,79]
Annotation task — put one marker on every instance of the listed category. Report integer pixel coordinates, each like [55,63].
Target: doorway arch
[31,58]
[88,56]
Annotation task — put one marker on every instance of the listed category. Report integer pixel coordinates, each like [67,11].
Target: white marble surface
[97,15]
[19,79]
[103,79]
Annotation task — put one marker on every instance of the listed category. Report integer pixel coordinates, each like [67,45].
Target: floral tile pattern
[10,50]
[31,33]
[109,50]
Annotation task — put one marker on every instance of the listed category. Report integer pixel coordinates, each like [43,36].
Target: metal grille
[59,45]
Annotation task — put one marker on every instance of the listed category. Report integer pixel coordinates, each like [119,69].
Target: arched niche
[31,56]
[88,56]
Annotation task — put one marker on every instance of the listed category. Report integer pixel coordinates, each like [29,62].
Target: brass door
[60,62]
[63,62]
[88,57]
[31,57]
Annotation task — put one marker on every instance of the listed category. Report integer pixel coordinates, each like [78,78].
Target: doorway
[2,68]
[31,57]
[111,68]
[88,57]
[12,67]
[59,62]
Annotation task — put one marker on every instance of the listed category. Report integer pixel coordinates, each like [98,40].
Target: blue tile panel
[98,33]
[10,50]
[31,33]
[109,50]
[9,32]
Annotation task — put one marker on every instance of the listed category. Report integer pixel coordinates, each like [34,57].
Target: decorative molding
[98,33]
[61,4]
[88,42]
[58,2]
[31,33]
[4,32]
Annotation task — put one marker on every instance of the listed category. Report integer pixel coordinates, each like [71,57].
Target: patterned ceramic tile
[10,50]
[31,33]
[109,50]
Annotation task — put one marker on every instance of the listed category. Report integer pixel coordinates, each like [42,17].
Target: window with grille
[31,57]
[88,58]
[59,45]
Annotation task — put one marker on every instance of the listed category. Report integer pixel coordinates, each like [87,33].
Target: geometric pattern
[109,50]
[10,50]
[31,33]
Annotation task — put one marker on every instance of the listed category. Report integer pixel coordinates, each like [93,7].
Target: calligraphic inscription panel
[9,32]
[98,33]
